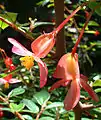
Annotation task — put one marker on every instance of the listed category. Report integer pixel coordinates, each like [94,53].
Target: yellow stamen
[71,64]
[27,61]
[6,85]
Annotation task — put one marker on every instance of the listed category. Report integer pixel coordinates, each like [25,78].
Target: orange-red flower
[68,71]
[28,60]
[44,43]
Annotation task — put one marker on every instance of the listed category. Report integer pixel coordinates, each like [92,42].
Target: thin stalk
[12,25]
[5,100]
[81,33]
[68,18]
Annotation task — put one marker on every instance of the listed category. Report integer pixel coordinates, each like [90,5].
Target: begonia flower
[68,71]
[45,42]
[28,60]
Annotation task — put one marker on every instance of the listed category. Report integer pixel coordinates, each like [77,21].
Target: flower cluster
[67,69]
[10,67]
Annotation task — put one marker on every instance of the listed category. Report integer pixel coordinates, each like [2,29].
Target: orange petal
[89,90]
[43,44]
[67,67]
[58,84]
[73,95]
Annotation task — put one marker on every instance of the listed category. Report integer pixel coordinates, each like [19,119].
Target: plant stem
[41,111]
[81,33]
[68,18]
[12,25]
[78,111]
[60,38]
[5,100]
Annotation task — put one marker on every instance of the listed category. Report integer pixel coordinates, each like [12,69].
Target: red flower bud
[12,67]
[8,62]
[1,112]
[97,33]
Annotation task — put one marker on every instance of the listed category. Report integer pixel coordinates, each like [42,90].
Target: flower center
[27,61]
[71,65]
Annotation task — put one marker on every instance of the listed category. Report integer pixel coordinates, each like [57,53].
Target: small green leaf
[27,117]
[9,16]
[47,118]
[16,108]
[42,97]
[16,91]
[36,24]
[98,90]
[93,23]
[93,4]
[96,6]
[6,109]
[97,83]
[55,104]
[31,105]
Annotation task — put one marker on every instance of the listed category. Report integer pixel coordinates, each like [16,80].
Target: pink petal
[18,48]
[13,80]
[73,96]
[67,67]
[89,90]
[43,44]
[58,84]
[3,81]
[43,73]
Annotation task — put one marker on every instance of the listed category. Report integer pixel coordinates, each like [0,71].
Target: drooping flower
[68,71]
[28,60]
[45,42]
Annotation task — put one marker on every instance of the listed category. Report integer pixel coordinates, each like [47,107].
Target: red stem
[67,19]
[81,34]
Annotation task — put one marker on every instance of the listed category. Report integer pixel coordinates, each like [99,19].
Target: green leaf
[3,25]
[98,90]
[31,105]
[97,83]
[47,113]
[10,17]
[96,6]
[46,118]
[92,4]
[93,23]
[42,97]
[16,108]
[55,104]
[6,109]
[27,117]
[16,91]
[36,24]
